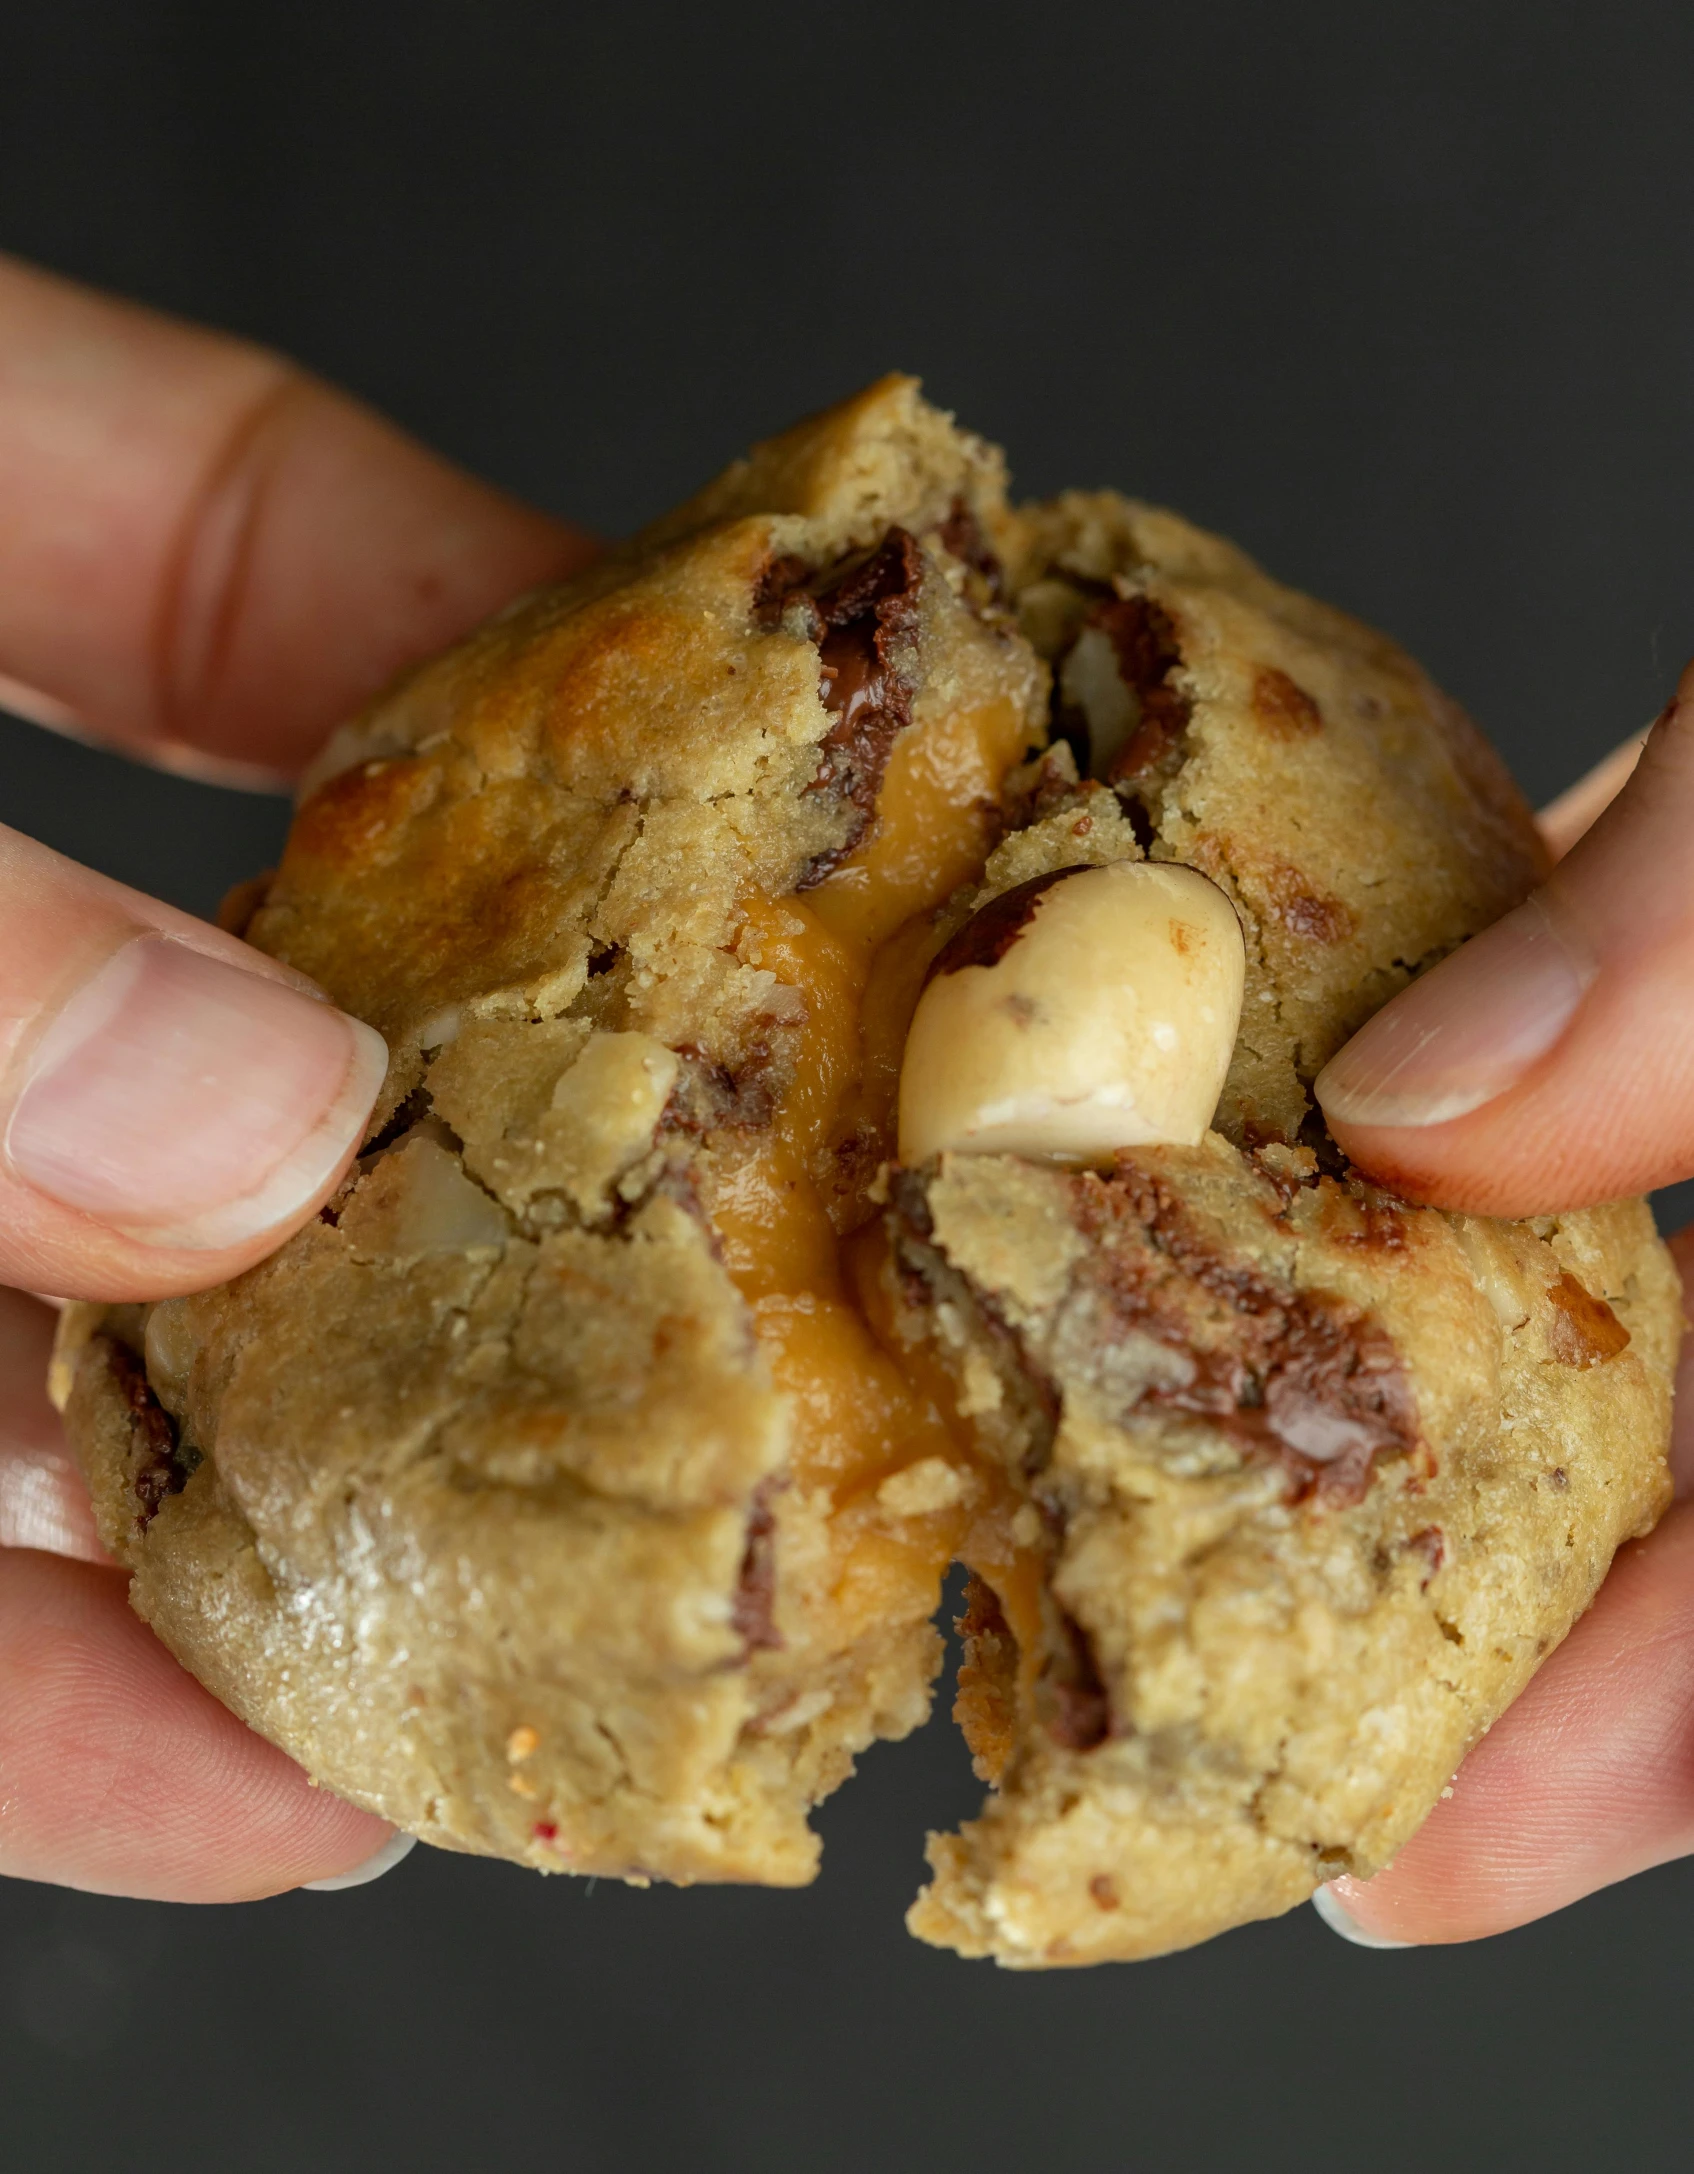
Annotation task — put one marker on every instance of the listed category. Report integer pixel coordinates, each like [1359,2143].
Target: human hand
[207,559]
[1546,1066]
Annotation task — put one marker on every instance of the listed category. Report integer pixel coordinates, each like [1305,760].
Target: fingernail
[189,1103]
[392,1851]
[1333,1911]
[1471,1028]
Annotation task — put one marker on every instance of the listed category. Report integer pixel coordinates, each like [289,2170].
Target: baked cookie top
[1352,811]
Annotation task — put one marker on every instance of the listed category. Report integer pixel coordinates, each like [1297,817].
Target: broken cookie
[579,1486]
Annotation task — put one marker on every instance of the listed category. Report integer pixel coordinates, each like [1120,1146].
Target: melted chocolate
[1070,1697]
[1298,1376]
[1143,638]
[709,1098]
[158,1465]
[782,581]
[858,612]
[961,534]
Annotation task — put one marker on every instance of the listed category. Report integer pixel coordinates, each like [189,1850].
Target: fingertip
[1344,1906]
[378,1865]
[124,1776]
[178,1116]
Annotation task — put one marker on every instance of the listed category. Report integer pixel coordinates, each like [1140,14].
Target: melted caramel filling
[798,1231]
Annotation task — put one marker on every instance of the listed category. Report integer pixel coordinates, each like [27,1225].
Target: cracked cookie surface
[579,1487]
[1322,1479]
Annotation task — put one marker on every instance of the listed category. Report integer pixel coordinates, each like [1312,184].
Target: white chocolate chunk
[416,1200]
[1091,682]
[1078,1014]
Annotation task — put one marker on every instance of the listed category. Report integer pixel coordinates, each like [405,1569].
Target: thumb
[1549,1063]
[172,1104]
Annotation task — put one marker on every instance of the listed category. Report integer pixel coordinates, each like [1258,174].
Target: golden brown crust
[885,455]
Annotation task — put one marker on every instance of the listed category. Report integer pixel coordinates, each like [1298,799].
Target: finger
[1682,1407]
[1549,1064]
[43,1502]
[172,1103]
[1580,806]
[124,1777]
[201,547]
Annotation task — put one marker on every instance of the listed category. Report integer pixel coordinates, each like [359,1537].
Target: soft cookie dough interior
[581,1486]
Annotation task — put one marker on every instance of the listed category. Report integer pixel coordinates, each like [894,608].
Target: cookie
[1320,1477]
[579,1486]
[538,1494]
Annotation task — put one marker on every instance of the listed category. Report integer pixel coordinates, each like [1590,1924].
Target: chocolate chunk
[708,1098]
[1431,1544]
[1070,1696]
[859,611]
[1299,1376]
[961,534]
[159,1466]
[781,582]
[755,1591]
[1304,1378]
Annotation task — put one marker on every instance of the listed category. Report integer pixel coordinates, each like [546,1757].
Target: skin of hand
[1547,1065]
[207,559]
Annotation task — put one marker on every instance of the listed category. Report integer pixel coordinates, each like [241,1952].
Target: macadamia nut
[1081,1012]
[1092,684]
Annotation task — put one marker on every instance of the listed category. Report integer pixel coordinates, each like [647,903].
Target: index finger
[204,549]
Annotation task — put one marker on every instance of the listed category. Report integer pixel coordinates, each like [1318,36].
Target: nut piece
[1079,1013]
[1091,683]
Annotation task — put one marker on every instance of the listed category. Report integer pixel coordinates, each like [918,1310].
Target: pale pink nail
[188,1102]
[394,1851]
[1333,1910]
[1471,1028]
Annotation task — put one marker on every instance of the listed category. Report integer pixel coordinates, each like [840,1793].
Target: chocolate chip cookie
[579,1486]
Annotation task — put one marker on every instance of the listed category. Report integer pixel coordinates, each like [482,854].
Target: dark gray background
[1398,295]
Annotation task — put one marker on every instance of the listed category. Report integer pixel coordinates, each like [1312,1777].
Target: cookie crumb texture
[579,1486]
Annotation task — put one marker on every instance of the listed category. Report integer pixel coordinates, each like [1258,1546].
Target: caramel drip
[795,1222]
